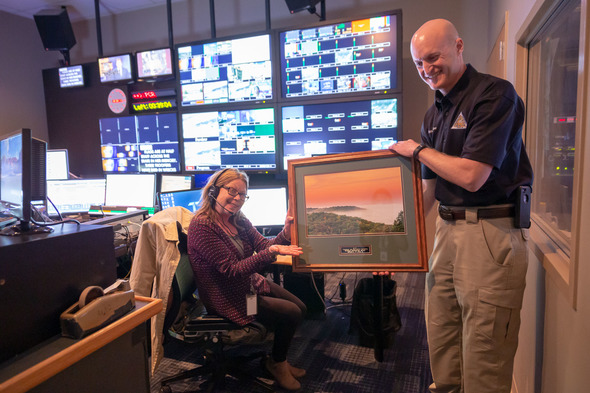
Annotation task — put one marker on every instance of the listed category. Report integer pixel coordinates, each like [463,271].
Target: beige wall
[22,57]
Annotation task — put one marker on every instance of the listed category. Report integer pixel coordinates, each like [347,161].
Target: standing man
[474,163]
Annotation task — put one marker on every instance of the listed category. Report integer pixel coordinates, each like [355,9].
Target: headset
[214,192]
[214,189]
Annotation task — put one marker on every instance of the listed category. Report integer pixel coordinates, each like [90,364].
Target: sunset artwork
[368,202]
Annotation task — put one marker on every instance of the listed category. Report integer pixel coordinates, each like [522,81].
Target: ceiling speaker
[55,29]
[300,5]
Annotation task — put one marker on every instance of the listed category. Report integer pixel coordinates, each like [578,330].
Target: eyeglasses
[233,192]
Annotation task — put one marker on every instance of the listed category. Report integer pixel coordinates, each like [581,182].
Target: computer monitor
[176,182]
[229,70]
[154,64]
[342,127]
[23,173]
[266,206]
[71,76]
[75,195]
[131,190]
[57,164]
[241,139]
[187,198]
[116,69]
[342,58]
[201,179]
[140,144]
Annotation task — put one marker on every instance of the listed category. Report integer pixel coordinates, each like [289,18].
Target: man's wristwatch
[417,151]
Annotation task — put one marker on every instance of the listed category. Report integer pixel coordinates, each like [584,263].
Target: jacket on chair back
[154,265]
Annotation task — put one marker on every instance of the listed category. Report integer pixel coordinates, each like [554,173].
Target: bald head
[437,51]
[437,29]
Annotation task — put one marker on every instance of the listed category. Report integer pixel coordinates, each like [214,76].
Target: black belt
[452,214]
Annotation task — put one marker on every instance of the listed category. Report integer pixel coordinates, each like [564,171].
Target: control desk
[43,274]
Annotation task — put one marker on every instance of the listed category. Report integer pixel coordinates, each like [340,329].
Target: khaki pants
[474,293]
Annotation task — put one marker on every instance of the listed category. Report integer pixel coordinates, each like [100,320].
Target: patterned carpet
[333,358]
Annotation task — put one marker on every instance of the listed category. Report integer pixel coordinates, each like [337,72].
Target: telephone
[96,308]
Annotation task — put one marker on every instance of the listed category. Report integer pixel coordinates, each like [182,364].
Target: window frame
[559,257]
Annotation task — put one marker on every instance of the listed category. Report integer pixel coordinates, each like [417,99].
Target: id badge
[251,304]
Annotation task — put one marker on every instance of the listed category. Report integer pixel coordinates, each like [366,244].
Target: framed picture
[357,212]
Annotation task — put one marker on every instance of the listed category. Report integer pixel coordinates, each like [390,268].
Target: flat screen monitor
[71,76]
[118,68]
[240,139]
[155,64]
[131,190]
[229,70]
[140,144]
[23,172]
[178,182]
[266,206]
[343,127]
[201,179]
[57,164]
[187,198]
[75,195]
[353,57]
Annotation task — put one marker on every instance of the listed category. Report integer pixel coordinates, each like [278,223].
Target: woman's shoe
[297,372]
[282,373]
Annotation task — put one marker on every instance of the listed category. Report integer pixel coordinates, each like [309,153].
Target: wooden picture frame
[357,212]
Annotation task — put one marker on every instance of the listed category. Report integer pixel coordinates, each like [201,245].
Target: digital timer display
[154,105]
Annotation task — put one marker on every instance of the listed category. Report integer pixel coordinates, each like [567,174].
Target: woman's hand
[277,249]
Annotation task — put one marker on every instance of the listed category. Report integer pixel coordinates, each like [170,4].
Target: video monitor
[177,182]
[23,160]
[240,139]
[201,179]
[154,65]
[354,57]
[229,70]
[266,206]
[140,144]
[342,127]
[75,195]
[57,164]
[113,69]
[131,190]
[71,76]
[188,199]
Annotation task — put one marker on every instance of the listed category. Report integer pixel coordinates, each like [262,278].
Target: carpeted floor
[333,358]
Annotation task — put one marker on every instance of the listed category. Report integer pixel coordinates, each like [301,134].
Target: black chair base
[216,368]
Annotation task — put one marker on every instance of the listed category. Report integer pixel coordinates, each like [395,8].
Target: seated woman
[226,252]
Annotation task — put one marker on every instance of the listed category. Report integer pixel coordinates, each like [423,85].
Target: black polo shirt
[480,119]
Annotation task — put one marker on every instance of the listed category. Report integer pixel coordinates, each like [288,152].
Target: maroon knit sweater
[223,278]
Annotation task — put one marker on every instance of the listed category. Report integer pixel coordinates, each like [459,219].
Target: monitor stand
[25,228]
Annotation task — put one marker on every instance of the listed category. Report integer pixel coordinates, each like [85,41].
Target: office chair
[209,332]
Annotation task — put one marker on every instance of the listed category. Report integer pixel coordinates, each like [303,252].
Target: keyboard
[6,220]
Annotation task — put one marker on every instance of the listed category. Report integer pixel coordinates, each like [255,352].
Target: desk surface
[59,230]
[57,354]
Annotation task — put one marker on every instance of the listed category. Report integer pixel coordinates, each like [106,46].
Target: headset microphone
[223,207]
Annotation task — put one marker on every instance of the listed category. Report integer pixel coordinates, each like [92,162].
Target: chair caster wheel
[165,389]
